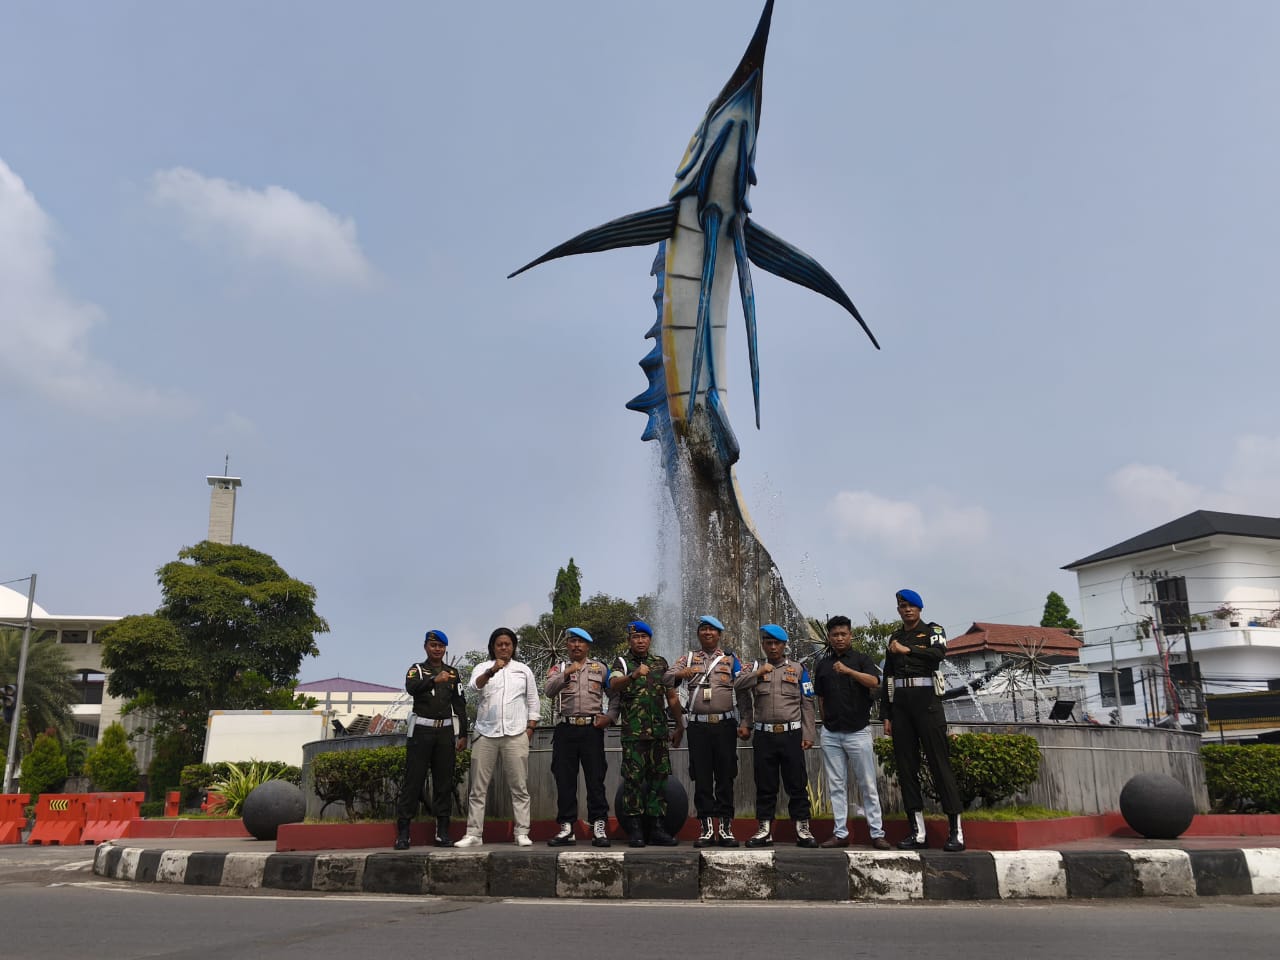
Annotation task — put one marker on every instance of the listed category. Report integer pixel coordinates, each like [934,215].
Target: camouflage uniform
[646,764]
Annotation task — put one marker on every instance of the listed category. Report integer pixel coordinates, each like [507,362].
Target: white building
[1193,604]
[78,636]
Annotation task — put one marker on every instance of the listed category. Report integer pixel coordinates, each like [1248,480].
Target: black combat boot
[564,837]
[725,837]
[707,838]
[635,833]
[658,836]
[955,835]
[916,838]
[804,836]
[402,835]
[442,832]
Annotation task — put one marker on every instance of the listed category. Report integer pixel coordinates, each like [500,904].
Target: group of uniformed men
[770,702]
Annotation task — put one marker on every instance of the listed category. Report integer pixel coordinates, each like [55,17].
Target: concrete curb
[687,874]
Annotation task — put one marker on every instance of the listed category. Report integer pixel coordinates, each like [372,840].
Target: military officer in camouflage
[577,688]
[644,702]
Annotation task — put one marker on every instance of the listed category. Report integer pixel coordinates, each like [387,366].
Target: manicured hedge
[988,766]
[369,780]
[1244,778]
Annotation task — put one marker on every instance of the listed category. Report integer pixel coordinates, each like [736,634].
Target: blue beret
[911,597]
[436,635]
[580,634]
[639,626]
[772,631]
[711,622]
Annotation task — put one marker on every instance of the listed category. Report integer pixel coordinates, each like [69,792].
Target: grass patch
[1025,811]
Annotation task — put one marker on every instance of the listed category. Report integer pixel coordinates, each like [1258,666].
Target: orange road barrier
[13,818]
[59,819]
[107,815]
[173,803]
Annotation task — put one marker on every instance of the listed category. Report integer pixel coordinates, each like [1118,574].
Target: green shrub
[194,780]
[370,778]
[110,764]
[152,808]
[241,779]
[1244,778]
[987,766]
[44,769]
[172,753]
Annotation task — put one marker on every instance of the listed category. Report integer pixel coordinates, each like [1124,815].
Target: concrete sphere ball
[677,806]
[270,805]
[1157,806]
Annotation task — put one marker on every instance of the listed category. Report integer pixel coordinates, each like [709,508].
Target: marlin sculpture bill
[704,231]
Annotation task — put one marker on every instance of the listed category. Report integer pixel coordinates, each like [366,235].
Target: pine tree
[111,765]
[1056,613]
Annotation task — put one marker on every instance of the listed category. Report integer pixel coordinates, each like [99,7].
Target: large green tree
[1056,613]
[566,597]
[230,634]
[47,690]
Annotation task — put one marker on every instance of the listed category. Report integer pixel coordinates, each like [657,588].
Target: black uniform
[431,745]
[917,717]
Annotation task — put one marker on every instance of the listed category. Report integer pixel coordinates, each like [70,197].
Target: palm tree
[47,690]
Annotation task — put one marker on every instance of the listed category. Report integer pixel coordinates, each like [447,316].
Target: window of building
[1106,681]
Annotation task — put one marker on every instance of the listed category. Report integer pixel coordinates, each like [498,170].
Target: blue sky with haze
[282,230]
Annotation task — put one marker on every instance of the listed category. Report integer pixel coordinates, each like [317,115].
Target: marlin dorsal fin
[641,229]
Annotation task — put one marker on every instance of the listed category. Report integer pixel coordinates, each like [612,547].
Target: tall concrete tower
[222,508]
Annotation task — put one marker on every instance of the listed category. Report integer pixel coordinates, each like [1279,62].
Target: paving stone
[959,876]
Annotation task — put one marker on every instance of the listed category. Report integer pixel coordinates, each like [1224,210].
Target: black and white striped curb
[779,874]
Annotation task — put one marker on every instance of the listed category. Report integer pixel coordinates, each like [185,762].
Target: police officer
[437,730]
[712,713]
[643,702]
[780,709]
[914,719]
[577,688]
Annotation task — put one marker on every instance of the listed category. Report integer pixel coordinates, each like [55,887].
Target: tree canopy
[1056,613]
[47,690]
[231,633]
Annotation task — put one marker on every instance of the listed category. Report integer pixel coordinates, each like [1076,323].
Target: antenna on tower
[226,464]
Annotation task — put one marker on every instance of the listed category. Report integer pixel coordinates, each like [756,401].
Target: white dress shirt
[507,702]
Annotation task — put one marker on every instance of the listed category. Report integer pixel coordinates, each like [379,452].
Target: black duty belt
[578,721]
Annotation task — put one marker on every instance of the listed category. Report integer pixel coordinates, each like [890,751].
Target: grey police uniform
[780,711]
[577,742]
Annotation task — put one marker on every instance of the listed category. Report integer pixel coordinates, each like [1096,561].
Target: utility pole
[11,756]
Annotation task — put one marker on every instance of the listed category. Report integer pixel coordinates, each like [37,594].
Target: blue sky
[281,231]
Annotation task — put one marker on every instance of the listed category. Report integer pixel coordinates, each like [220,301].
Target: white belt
[912,682]
[778,727]
[424,722]
[712,717]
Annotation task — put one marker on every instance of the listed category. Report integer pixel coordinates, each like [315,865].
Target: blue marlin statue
[704,232]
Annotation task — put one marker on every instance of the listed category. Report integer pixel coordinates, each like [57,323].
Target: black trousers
[775,753]
[429,750]
[573,747]
[713,766]
[919,724]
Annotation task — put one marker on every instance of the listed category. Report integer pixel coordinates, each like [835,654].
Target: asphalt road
[52,906]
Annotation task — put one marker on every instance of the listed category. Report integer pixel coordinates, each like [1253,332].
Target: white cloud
[274,225]
[1248,484]
[44,331]
[901,525]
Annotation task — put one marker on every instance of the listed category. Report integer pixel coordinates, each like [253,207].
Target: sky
[280,233]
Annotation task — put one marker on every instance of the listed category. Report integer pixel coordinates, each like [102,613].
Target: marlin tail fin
[634,230]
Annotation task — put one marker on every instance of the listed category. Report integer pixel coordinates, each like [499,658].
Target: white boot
[804,836]
[763,837]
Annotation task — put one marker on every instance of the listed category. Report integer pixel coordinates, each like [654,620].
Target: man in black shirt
[914,718]
[438,729]
[843,680]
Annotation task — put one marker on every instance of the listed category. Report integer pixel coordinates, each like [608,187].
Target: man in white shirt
[506,716]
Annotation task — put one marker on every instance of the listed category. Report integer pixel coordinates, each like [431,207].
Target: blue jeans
[840,752]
